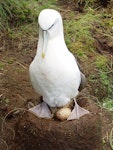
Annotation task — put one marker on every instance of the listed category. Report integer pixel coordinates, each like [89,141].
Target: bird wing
[83,78]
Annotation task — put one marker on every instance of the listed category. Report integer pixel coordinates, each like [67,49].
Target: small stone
[30,104]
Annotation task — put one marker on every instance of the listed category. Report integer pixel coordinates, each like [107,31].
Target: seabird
[55,73]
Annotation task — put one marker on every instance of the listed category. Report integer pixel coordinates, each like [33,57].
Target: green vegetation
[12,11]
[78,33]
[1,66]
[16,12]
[102,64]
[108,104]
[109,138]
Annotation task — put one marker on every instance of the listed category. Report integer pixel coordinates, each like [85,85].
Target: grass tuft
[78,33]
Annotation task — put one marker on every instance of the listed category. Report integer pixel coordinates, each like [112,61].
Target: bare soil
[85,133]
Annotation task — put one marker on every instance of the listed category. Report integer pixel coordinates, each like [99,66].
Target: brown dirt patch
[85,133]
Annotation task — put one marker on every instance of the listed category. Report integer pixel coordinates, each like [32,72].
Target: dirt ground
[45,134]
[16,91]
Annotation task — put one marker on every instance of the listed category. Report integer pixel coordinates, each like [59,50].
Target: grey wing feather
[83,78]
[83,82]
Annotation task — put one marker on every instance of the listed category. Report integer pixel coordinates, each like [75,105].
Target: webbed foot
[77,112]
[41,111]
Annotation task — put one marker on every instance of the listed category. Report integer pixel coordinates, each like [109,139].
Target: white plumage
[54,72]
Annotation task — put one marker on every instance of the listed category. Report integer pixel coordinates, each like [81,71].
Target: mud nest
[34,133]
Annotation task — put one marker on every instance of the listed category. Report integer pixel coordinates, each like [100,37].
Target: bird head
[50,22]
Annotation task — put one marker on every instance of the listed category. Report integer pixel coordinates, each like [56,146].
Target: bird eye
[51,26]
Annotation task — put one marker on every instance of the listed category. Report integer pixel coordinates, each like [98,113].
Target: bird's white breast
[56,77]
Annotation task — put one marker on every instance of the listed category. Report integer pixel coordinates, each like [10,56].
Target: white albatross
[54,72]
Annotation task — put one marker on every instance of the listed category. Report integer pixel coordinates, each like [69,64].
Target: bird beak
[44,43]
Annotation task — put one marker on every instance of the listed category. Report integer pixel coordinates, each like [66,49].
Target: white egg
[63,113]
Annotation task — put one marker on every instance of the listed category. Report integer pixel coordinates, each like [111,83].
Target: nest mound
[45,134]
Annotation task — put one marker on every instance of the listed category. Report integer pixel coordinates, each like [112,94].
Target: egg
[63,113]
